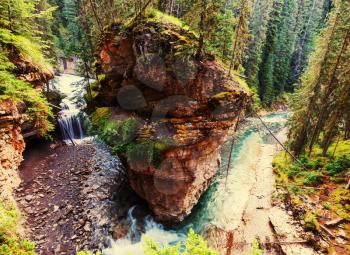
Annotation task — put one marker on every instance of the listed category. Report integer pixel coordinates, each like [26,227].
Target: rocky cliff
[184,106]
[15,124]
[11,148]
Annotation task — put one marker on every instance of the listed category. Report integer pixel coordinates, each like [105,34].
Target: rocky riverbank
[71,195]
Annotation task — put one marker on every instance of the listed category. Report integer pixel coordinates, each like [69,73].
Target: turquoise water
[214,207]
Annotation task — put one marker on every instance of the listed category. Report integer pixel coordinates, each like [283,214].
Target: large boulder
[185,107]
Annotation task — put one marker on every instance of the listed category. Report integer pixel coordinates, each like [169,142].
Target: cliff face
[184,106]
[11,148]
[15,125]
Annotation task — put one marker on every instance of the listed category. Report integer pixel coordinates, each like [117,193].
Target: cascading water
[217,207]
[71,116]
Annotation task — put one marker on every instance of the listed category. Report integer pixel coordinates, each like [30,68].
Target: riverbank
[71,196]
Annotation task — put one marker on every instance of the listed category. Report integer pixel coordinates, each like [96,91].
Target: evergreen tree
[241,35]
[321,102]
[266,71]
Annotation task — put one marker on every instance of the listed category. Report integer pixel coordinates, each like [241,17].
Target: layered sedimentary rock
[11,148]
[15,125]
[180,100]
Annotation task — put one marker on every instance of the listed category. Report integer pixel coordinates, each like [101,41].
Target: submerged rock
[184,105]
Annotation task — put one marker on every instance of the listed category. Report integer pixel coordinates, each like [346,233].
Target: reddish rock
[11,148]
[191,104]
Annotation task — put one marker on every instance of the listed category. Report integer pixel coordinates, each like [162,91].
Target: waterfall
[132,243]
[71,116]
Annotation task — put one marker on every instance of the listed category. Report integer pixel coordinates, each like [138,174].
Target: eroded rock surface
[188,103]
[11,148]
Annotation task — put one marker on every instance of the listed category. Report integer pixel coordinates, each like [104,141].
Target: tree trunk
[162,5]
[330,88]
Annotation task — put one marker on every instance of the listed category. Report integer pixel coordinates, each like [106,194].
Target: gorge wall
[184,107]
[15,124]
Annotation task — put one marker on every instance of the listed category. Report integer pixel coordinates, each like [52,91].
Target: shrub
[38,108]
[339,165]
[312,178]
[10,244]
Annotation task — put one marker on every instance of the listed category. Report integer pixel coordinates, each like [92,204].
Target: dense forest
[280,55]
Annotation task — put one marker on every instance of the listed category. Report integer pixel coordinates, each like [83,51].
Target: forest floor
[317,194]
[69,196]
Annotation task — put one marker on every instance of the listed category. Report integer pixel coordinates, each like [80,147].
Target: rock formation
[11,148]
[188,104]
[15,125]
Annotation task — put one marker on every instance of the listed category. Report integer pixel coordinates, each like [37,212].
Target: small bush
[256,249]
[195,244]
[88,253]
[10,244]
[339,165]
[312,178]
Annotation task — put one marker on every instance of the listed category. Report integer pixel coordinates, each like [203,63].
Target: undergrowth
[323,177]
[10,242]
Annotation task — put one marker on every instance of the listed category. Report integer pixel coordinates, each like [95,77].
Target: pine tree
[241,35]
[320,104]
[266,84]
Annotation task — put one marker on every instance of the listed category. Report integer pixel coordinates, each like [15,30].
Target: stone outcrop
[186,103]
[15,125]
[11,148]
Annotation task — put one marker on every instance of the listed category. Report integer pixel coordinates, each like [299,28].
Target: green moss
[100,115]
[311,223]
[342,149]
[88,253]
[150,152]
[339,198]
[158,16]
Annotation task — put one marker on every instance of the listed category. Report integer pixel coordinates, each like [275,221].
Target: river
[240,194]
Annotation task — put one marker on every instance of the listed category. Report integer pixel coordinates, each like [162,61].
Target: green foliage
[194,244]
[147,151]
[15,246]
[312,178]
[311,223]
[339,165]
[20,91]
[10,244]
[88,253]
[256,250]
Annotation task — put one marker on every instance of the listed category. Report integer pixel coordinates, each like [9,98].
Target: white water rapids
[71,117]
[223,205]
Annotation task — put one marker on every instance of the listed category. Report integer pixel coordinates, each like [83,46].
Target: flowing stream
[224,203]
[221,207]
[71,116]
